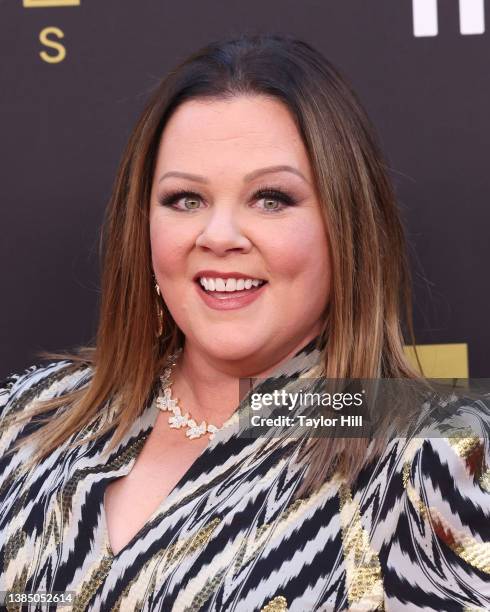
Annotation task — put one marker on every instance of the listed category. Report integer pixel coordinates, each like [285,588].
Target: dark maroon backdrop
[64,126]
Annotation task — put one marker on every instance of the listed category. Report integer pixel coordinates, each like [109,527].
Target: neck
[208,388]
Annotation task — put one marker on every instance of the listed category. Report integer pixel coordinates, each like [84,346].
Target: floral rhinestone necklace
[177,420]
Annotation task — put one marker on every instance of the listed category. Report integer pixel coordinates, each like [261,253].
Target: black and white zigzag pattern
[412,534]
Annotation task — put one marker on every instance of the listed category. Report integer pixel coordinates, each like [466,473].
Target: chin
[231,346]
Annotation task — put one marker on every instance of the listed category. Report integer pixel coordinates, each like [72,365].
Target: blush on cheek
[306,265]
[167,256]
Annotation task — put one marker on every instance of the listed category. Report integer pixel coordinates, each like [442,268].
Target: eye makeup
[170,198]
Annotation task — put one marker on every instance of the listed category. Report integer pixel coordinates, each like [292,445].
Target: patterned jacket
[413,533]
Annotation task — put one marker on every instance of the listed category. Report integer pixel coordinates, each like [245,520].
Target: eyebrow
[248,177]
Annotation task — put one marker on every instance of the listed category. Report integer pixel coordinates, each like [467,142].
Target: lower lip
[230,303]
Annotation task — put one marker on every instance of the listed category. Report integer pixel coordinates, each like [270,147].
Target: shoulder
[447,479]
[455,446]
[41,381]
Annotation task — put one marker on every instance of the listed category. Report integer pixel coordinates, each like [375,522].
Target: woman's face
[247,209]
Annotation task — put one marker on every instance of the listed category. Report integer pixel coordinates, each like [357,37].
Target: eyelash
[272,193]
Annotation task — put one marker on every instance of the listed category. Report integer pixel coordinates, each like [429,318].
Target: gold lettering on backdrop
[54,31]
[49,3]
[53,44]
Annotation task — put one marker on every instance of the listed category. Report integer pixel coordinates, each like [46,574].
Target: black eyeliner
[174,196]
[264,192]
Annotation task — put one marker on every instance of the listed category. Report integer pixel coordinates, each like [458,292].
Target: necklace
[178,420]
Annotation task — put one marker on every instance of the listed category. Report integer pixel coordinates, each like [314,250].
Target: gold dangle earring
[159,309]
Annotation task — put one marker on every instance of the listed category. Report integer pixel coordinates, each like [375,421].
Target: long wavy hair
[369,316]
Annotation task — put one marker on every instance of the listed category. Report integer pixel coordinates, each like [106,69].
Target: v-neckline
[152,411]
[230,426]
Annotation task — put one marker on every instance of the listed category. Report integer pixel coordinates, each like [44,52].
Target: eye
[190,197]
[274,200]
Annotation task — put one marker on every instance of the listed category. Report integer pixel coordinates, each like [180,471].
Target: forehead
[241,132]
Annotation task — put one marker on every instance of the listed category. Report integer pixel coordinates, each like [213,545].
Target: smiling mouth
[233,290]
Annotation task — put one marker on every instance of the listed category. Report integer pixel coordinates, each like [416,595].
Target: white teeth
[220,284]
[229,284]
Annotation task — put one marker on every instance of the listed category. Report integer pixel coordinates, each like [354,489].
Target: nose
[222,233]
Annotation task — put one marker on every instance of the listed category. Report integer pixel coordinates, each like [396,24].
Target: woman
[252,232]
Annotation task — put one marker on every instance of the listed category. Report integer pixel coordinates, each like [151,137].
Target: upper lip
[217,274]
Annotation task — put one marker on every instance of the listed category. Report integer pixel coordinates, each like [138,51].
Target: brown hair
[369,310]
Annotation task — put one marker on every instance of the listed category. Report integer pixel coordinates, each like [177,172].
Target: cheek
[168,251]
[300,252]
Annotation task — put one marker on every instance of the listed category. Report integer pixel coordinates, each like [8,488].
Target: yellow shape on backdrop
[49,3]
[441,360]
